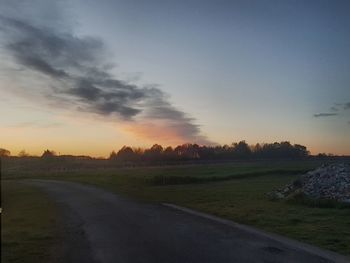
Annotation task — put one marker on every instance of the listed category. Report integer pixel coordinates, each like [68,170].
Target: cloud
[32,124]
[333,108]
[347,106]
[76,73]
[171,133]
[327,114]
[344,106]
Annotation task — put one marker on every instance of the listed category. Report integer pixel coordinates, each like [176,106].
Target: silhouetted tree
[23,153]
[4,153]
[241,150]
[168,153]
[188,151]
[126,154]
[48,154]
[138,153]
[206,152]
[154,153]
[301,151]
[113,155]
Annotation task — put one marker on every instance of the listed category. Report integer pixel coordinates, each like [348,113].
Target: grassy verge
[28,224]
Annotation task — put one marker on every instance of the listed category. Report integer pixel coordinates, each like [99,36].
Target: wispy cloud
[326,114]
[33,124]
[334,109]
[337,110]
[77,75]
[347,106]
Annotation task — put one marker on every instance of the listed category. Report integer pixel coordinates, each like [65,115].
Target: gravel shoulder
[100,226]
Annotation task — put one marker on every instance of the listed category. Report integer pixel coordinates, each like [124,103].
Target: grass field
[28,224]
[242,198]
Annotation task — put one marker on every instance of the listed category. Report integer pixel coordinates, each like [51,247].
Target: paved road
[103,227]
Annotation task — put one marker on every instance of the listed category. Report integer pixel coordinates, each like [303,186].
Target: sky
[87,77]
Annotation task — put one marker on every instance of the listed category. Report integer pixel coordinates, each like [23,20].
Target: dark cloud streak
[334,109]
[78,72]
[325,114]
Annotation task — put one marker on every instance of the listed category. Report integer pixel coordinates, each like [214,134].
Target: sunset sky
[87,77]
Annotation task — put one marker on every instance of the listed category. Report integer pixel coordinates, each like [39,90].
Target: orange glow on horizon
[87,138]
[152,132]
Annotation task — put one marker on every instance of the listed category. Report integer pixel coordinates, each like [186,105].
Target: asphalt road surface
[100,226]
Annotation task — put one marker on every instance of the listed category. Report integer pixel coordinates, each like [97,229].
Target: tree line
[188,151]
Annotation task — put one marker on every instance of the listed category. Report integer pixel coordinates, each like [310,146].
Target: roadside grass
[28,224]
[242,198]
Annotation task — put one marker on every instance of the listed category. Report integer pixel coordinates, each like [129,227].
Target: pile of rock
[330,182]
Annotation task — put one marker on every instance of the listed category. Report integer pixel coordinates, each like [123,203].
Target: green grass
[242,198]
[13,169]
[28,224]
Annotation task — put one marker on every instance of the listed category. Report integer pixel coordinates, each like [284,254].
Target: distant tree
[48,154]
[206,152]
[241,150]
[4,152]
[192,151]
[301,151]
[281,150]
[188,151]
[126,154]
[23,153]
[138,153]
[113,155]
[154,153]
[256,150]
[168,153]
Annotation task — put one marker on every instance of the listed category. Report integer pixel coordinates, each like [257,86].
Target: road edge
[330,255]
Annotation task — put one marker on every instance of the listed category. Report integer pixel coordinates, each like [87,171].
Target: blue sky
[261,71]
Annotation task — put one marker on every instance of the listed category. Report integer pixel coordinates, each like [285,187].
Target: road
[100,226]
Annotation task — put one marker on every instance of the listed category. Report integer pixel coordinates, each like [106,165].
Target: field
[235,191]
[29,224]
